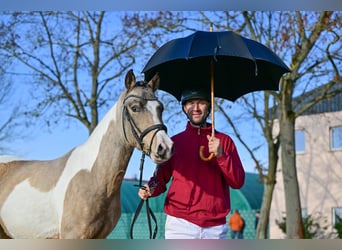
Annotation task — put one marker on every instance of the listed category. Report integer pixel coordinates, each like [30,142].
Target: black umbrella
[224,63]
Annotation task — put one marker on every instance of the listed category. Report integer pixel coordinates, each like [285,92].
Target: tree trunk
[294,223]
[269,181]
[262,228]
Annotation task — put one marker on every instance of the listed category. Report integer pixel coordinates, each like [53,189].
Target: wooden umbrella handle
[203,158]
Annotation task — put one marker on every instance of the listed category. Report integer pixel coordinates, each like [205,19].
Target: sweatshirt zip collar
[199,129]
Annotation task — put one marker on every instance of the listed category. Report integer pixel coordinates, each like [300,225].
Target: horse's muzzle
[164,148]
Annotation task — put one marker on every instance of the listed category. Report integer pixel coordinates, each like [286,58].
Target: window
[300,141]
[337,215]
[336,138]
[304,212]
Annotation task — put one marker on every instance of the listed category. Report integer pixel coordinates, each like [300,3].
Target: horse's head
[143,111]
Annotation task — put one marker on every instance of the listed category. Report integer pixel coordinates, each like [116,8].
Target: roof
[330,104]
[252,191]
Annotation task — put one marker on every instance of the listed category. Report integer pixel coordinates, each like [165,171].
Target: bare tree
[302,65]
[8,111]
[73,59]
[7,117]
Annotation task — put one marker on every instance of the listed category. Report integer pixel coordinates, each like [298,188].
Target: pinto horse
[77,196]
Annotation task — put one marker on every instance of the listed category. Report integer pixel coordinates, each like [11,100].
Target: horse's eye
[135,108]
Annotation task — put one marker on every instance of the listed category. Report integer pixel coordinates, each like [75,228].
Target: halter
[135,129]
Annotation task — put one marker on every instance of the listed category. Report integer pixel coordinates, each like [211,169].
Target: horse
[77,196]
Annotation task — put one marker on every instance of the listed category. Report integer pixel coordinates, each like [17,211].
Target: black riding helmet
[195,94]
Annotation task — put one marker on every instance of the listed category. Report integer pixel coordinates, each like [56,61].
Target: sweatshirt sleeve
[230,165]
[160,178]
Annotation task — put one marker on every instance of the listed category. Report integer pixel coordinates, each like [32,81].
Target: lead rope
[149,212]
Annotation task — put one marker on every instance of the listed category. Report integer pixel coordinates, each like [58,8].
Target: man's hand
[144,192]
[214,145]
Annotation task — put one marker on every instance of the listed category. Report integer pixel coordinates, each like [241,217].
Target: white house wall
[319,171]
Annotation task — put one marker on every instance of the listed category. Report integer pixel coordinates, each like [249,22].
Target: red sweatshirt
[199,191]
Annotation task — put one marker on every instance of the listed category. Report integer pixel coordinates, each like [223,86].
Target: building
[318,136]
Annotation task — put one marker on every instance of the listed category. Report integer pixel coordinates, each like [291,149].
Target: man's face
[196,110]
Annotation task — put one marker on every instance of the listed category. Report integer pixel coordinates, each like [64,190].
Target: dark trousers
[237,233]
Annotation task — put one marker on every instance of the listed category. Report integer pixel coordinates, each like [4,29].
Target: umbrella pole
[212,96]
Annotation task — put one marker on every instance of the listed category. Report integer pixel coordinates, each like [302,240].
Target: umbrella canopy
[236,64]
[225,64]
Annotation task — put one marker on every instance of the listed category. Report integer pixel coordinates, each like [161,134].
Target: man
[198,199]
[237,224]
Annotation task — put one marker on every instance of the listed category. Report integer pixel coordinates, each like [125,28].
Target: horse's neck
[106,149]
[104,129]
[103,157]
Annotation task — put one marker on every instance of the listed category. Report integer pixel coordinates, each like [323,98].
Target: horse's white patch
[161,136]
[36,209]
[152,106]
[82,158]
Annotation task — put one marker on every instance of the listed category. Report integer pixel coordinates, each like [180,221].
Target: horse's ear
[130,80]
[154,82]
